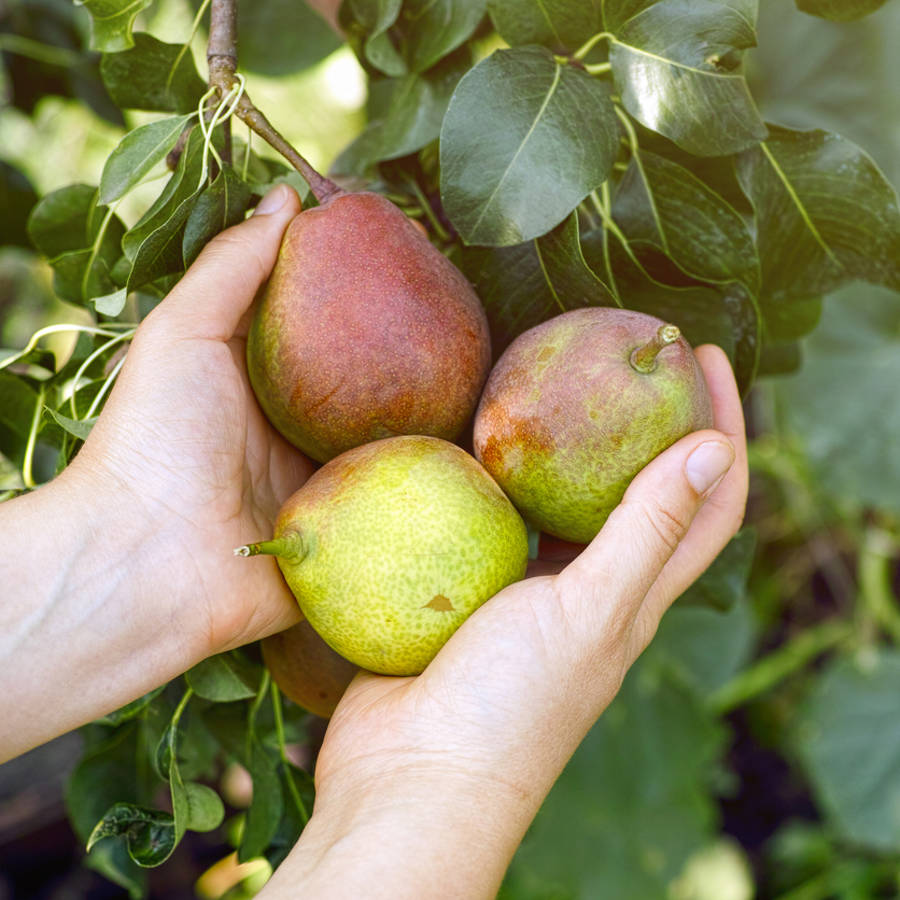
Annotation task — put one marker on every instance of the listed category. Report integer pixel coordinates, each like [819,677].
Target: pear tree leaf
[848,737]
[366,24]
[18,401]
[430,29]
[661,203]
[675,64]
[559,24]
[724,583]
[153,75]
[149,833]
[524,140]
[220,205]
[840,10]
[280,37]
[825,214]
[299,794]
[111,304]
[137,153]
[409,113]
[112,21]
[130,710]
[267,805]
[58,222]
[17,199]
[223,678]
[79,428]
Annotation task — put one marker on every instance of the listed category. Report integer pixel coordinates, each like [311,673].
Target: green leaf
[221,205]
[112,21]
[848,737]
[674,62]
[17,405]
[224,678]
[366,24]
[430,29]
[153,75]
[205,810]
[840,10]
[267,805]
[559,24]
[17,198]
[524,140]
[137,153]
[825,214]
[58,222]
[79,428]
[663,204]
[111,304]
[844,404]
[632,805]
[280,37]
[411,109]
[724,583]
[130,710]
[149,833]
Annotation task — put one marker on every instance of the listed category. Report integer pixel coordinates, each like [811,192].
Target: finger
[603,589]
[219,287]
[722,514]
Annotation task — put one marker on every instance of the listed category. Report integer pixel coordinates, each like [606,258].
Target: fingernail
[707,465]
[272,202]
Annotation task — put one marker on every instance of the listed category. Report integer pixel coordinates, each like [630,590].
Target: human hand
[443,772]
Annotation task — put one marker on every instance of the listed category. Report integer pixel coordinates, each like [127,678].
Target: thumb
[219,287]
[608,582]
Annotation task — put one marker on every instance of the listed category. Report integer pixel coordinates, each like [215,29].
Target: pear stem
[221,56]
[643,359]
[288,546]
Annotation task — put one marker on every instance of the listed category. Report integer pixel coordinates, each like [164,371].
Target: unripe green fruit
[578,405]
[391,546]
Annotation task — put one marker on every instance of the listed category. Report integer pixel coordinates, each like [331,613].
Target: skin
[425,784]
[566,421]
[358,290]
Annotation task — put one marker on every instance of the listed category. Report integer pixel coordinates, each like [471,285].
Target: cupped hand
[183,446]
[473,744]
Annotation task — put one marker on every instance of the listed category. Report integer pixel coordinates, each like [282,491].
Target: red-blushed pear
[306,669]
[392,545]
[365,330]
[578,405]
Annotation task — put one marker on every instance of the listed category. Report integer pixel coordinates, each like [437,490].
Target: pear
[389,547]
[365,330]
[578,405]
[306,669]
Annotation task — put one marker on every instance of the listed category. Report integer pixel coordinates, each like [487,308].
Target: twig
[221,55]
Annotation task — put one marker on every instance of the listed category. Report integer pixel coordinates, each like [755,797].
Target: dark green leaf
[220,205]
[224,678]
[663,204]
[154,75]
[59,221]
[137,153]
[299,794]
[18,402]
[825,215]
[267,805]
[840,10]
[844,403]
[849,739]
[205,810]
[413,108]
[112,21]
[724,583]
[278,37]
[149,833]
[430,29]
[17,197]
[130,710]
[366,24]
[674,62]
[559,24]
[79,428]
[524,140]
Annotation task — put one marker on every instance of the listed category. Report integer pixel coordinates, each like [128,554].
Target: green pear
[365,331]
[389,548]
[578,405]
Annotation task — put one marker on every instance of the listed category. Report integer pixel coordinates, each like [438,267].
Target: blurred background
[753,752]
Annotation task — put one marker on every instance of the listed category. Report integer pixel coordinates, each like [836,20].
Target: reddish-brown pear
[365,331]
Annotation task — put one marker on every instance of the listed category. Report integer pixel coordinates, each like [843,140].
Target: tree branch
[221,56]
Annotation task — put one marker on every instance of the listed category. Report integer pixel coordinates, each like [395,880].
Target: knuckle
[666,524]
[232,244]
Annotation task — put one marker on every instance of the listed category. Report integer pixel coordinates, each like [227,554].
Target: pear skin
[578,405]
[365,331]
[392,545]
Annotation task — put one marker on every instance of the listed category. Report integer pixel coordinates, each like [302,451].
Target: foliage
[637,153]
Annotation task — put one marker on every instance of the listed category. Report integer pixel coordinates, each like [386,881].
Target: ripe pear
[392,545]
[306,669]
[365,331]
[578,405]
